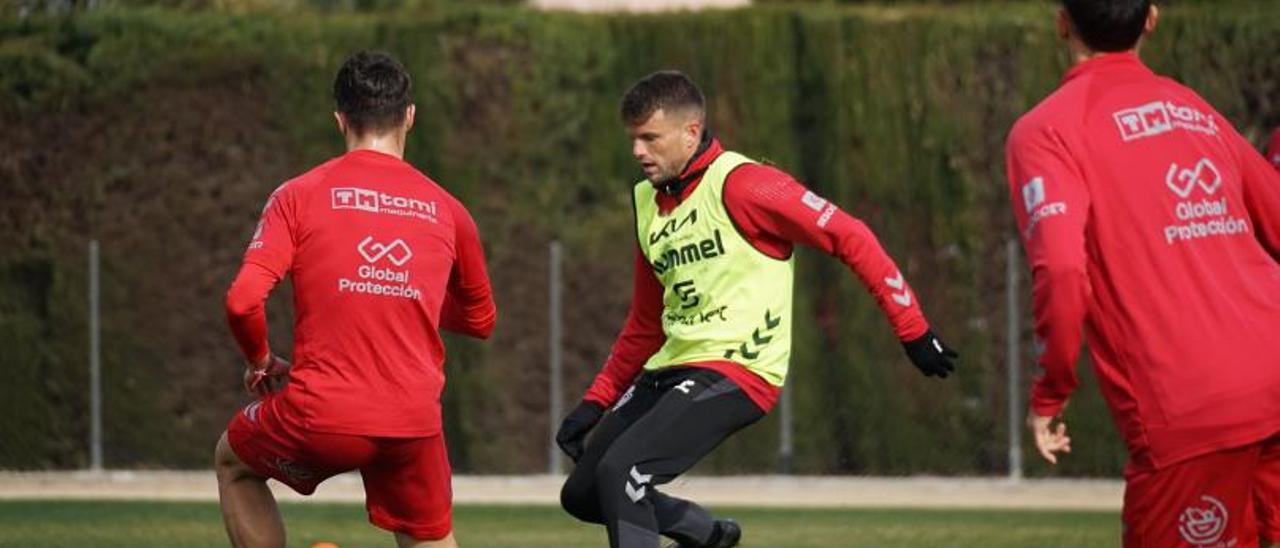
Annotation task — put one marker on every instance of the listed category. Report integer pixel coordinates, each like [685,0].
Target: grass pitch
[32,524]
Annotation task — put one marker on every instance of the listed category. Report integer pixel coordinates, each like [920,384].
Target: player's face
[663,144]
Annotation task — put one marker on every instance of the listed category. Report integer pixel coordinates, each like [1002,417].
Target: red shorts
[407,481]
[1226,499]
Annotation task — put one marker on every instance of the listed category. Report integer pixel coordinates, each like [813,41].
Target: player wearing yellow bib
[707,342]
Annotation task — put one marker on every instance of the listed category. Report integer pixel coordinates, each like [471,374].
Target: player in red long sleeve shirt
[1153,227]
[705,346]
[381,258]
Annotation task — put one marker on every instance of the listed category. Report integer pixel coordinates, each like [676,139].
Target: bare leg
[249,510]
[406,541]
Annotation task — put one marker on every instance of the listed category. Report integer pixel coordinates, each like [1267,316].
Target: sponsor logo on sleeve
[1034,198]
[1201,213]
[1275,159]
[256,241]
[376,277]
[1204,524]
[812,200]
[372,201]
[1033,193]
[1161,117]
[826,216]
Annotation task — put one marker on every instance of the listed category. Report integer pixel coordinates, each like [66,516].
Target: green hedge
[161,133]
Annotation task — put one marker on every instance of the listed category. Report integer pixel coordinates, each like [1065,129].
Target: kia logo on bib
[1204,525]
[1182,181]
[397,251]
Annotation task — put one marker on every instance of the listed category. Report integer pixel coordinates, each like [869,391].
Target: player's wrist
[590,408]
[261,362]
[1047,408]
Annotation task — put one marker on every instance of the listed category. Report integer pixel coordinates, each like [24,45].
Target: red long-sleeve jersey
[773,212]
[1273,149]
[380,257]
[1154,227]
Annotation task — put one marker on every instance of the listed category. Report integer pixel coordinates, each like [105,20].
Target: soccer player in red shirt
[705,348]
[1153,227]
[1273,149]
[381,258]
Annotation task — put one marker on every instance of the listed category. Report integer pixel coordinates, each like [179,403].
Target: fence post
[786,449]
[95,362]
[555,411]
[1014,360]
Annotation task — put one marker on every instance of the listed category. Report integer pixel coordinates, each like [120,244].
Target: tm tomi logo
[1203,525]
[363,199]
[1162,117]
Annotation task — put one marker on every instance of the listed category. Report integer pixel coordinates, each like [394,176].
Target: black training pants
[660,428]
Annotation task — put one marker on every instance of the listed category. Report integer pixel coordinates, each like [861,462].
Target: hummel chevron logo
[903,295]
[636,492]
[757,340]
[760,341]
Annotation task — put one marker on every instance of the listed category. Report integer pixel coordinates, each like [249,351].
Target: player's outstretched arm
[1261,181]
[775,211]
[468,307]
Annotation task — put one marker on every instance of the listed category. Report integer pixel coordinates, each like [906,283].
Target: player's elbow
[239,304]
[484,329]
[1060,270]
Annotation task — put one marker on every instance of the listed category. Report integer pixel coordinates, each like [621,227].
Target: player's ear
[1064,24]
[1153,17]
[693,131]
[410,112]
[342,122]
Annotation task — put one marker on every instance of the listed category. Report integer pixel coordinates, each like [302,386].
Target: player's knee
[578,497]
[612,474]
[220,451]
[612,468]
[225,462]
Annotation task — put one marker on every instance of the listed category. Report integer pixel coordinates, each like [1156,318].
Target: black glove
[930,355]
[574,428]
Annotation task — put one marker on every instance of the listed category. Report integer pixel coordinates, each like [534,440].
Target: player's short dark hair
[665,89]
[1108,25]
[372,91]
